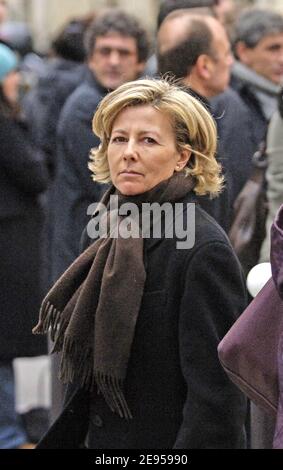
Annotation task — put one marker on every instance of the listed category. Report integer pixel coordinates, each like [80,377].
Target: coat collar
[204,101]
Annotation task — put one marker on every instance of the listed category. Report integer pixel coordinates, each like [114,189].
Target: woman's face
[10,86]
[142,150]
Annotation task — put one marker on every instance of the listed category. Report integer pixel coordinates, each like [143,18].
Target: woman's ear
[183,159]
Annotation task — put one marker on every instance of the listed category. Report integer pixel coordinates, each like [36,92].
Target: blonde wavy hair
[193,126]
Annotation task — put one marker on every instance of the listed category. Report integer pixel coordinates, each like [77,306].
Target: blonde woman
[138,316]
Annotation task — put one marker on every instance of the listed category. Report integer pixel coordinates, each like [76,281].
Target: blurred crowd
[229,59]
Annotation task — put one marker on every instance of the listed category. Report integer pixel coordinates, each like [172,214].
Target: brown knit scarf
[93,308]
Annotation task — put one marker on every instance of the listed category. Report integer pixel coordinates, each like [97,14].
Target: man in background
[196,50]
[258,71]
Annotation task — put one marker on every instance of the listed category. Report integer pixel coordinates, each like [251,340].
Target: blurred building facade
[45,17]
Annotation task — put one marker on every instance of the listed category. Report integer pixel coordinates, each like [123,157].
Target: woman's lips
[130,173]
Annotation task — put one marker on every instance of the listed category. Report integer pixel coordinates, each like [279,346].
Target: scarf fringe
[111,389]
[76,365]
[49,318]
[51,321]
[76,362]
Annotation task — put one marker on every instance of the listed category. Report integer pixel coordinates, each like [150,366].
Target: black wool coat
[179,395]
[234,152]
[23,176]
[236,143]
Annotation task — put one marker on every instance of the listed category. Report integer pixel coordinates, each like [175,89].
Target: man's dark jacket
[235,139]
[234,152]
[258,121]
[44,103]
[74,190]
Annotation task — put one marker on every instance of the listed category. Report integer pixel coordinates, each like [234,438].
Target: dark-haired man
[258,71]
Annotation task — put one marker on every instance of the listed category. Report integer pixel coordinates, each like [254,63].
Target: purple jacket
[277,274]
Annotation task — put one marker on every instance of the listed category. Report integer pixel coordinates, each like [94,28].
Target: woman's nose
[130,151]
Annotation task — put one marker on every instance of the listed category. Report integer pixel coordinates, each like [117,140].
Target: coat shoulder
[81,104]
[206,227]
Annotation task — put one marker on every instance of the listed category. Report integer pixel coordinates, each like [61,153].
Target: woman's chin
[130,189]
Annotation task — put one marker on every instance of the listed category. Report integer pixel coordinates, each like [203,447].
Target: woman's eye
[149,140]
[119,139]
